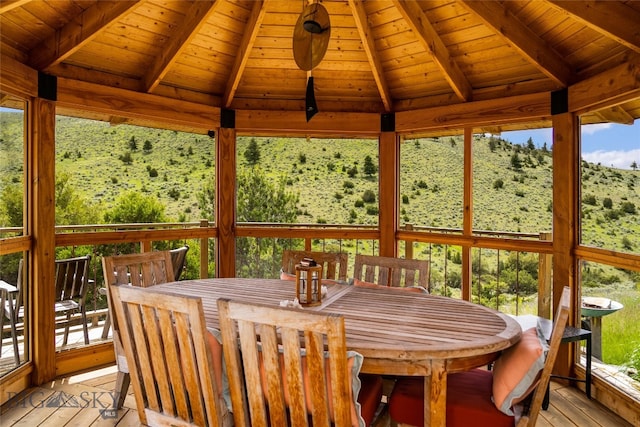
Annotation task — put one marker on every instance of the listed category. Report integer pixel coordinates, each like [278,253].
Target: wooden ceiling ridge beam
[368,42]
[526,42]
[78,32]
[613,19]
[252,27]
[195,17]
[433,44]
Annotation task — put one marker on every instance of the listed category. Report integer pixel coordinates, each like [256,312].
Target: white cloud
[616,159]
[591,129]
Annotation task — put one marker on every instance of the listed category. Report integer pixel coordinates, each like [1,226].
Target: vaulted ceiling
[382,56]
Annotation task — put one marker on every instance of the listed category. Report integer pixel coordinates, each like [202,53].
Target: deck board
[569,406]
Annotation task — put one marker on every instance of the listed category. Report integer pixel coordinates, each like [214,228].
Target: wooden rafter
[613,19]
[525,41]
[195,17]
[78,32]
[7,5]
[248,39]
[427,35]
[615,114]
[360,16]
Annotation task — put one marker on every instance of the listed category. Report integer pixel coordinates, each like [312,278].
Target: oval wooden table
[397,332]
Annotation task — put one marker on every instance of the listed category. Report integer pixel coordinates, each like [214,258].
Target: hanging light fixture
[310,41]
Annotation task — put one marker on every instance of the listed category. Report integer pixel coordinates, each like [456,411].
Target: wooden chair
[178,258]
[392,272]
[164,338]
[72,284]
[471,395]
[139,270]
[12,306]
[334,265]
[279,371]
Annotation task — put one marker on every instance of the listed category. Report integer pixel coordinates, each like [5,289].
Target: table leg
[435,386]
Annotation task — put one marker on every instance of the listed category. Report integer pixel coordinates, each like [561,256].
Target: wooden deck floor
[85,400]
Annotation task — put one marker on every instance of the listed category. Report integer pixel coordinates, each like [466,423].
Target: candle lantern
[309,284]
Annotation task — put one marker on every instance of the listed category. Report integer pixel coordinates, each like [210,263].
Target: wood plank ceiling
[383,55]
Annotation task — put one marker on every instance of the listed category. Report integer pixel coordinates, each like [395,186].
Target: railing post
[544,280]
[408,244]
[204,252]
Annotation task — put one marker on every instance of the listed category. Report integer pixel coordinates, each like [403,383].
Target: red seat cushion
[468,401]
[369,396]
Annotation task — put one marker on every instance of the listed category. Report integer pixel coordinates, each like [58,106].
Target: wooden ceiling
[383,55]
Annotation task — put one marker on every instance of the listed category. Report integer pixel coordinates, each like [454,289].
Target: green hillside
[103,161]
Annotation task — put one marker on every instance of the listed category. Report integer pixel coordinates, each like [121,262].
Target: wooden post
[566,191]
[408,244]
[42,179]
[204,252]
[388,183]
[226,202]
[544,280]
[467,219]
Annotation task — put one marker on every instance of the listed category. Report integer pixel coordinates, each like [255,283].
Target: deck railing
[502,273]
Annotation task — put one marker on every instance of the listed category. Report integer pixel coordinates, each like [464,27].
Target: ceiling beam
[526,42]
[615,114]
[76,33]
[7,5]
[244,50]
[195,18]
[368,42]
[612,87]
[427,35]
[613,19]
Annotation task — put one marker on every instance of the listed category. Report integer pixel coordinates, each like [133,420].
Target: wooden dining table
[397,332]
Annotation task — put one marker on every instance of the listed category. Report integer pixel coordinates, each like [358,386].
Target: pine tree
[369,168]
[252,153]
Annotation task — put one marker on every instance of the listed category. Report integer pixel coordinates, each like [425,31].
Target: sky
[609,144]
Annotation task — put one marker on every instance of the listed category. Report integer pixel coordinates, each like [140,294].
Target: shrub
[607,203]
[628,207]
[498,183]
[369,196]
[589,199]
[359,203]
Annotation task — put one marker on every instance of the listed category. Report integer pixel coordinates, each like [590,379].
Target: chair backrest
[334,264]
[559,323]
[393,272]
[19,301]
[139,270]
[72,278]
[262,352]
[169,360]
[178,258]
